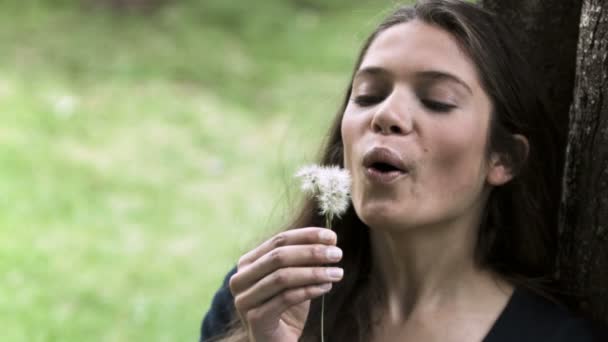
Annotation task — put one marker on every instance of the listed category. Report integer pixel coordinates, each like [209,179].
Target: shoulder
[220,312]
[578,329]
[531,317]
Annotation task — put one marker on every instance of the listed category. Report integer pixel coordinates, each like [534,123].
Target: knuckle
[290,297]
[280,279]
[277,257]
[307,292]
[319,274]
[239,303]
[279,240]
[254,315]
[318,253]
[232,283]
[241,263]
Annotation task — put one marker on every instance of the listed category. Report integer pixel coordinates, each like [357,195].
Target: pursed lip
[381,154]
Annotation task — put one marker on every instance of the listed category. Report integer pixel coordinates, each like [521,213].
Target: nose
[393,116]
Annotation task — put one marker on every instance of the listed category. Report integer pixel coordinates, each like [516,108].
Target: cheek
[459,154]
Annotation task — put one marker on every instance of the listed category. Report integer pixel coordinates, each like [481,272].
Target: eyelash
[435,106]
[367,100]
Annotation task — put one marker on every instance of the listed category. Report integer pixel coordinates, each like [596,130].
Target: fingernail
[326,235]
[334,253]
[325,286]
[335,272]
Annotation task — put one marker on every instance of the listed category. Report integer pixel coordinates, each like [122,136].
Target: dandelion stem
[330,186]
[322,318]
[328,224]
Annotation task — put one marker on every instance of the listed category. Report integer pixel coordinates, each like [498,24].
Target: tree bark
[583,256]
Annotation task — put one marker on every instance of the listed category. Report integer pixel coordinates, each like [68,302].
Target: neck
[425,267]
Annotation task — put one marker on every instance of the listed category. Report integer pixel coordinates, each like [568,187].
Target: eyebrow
[440,75]
[434,75]
[371,71]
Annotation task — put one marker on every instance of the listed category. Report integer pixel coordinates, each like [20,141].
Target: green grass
[141,155]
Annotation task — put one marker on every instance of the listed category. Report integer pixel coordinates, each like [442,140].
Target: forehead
[415,46]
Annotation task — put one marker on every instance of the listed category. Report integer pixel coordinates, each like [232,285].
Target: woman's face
[415,132]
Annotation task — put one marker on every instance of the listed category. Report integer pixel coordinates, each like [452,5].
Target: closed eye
[367,100]
[437,106]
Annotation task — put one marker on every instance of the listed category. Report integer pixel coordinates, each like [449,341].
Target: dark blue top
[526,318]
[221,311]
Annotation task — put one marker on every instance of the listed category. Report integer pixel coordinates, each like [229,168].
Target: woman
[451,153]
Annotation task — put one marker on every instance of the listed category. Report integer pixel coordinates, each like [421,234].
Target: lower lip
[383,177]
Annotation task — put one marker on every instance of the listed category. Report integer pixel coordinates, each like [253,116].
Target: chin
[378,215]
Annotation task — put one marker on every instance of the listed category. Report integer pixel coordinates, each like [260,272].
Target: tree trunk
[584,216]
[549,37]
[568,41]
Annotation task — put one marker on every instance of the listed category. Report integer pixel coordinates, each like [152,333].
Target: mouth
[383,165]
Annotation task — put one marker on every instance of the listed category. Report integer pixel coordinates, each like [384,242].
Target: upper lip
[384,155]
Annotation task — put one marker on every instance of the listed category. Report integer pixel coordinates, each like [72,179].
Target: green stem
[328,224]
[322,318]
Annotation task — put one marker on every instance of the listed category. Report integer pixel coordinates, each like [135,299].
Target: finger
[300,236]
[269,313]
[283,257]
[285,279]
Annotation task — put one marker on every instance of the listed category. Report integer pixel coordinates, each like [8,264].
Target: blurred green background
[144,150]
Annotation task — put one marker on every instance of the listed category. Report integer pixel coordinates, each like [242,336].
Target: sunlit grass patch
[141,155]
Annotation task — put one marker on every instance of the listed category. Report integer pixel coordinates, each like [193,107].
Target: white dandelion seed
[334,191]
[330,185]
[309,176]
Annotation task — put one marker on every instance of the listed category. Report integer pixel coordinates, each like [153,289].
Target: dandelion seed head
[309,176]
[331,187]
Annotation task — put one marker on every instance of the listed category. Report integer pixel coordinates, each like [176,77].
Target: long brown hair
[516,238]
